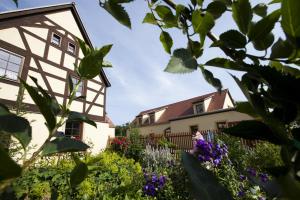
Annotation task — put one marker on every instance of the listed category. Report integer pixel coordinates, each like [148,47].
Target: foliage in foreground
[271,78]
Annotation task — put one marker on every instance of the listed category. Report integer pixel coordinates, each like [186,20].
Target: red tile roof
[185,108]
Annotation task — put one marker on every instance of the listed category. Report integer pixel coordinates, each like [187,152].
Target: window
[80,88]
[73,130]
[199,108]
[71,48]
[221,125]
[152,118]
[56,39]
[140,120]
[194,129]
[10,65]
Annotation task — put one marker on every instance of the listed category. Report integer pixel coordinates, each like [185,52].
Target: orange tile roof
[185,108]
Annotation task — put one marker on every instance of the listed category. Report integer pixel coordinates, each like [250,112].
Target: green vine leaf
[264,43]
[118,12]
[290,17]
[261,9]
[245,107]
[281,49]
[264,26]
[150,19]
[166,15]
[8,168]
[166,41]
[195,48]
[181,61]
[16,2]
[284,69]
[3,110]
[216,8]
[79,117]
[16,126]
[209,77]
[233,39]
[63,144]
[242,14]
[202,24]
[225,63]
[78,174]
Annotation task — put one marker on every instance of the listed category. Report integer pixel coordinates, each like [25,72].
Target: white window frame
[82,91]
[74,47]
[21,65]
[195,107]
[53,37]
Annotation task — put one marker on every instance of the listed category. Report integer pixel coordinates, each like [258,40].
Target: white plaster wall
[97,136]
[227,102]
[33,64]
[207,122]
[56,85]
[53,70]
[69,61]
[41,32]
[206,103]
[54,54]
[159,114]
[93,85]
[36,46]
[96,110]
[76,106]
[12,36]
[90,95]
[157,129]
[8,91]
[60,100]
[66,19]
[100,99]
[97,78]
[49,23]
[39,130]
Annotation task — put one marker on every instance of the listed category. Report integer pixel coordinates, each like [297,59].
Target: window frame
[195,107]
[80,128]
[20,67]
[71,43]
[151,117]
[60,41]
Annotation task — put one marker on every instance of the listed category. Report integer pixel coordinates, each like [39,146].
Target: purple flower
[264,177]
[241,193]
[242,177]
[153,184]
[251,171]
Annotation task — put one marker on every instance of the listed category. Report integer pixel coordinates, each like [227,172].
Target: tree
[271,83]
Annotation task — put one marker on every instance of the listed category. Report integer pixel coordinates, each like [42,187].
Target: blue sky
[137,77]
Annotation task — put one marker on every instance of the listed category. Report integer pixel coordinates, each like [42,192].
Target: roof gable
[49,12]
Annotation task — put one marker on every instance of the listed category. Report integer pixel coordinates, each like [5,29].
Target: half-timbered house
[41,42]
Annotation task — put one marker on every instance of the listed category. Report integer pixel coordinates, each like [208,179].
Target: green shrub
[135,147]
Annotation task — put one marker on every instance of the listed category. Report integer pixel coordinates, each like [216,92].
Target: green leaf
[79,117]
[264,26]
[8,168]
[233,39]
[16,2]
[290,17]
[90,66]
[150,19]
[264,43]
[209,77]
[106,64]
[78,174]
[284,69]
[180,9]
[195,48]
[275,1]
[242,14]
[70,83]
[166,41]
[245,107]
[181,62]
[281,49]
[260,9]
[203,183]
[63,144]
[253,130]
[3,110]
[216,8]
[202,24]
[118,12]
[85,48]
[166,15]
[17,126]
[225,63]
[43,104]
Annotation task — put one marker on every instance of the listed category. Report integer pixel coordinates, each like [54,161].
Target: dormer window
[140,121]
[198,108]
[152,118]
[71,48]
[56,39]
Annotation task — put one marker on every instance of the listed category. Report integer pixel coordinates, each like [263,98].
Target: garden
[62,168]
